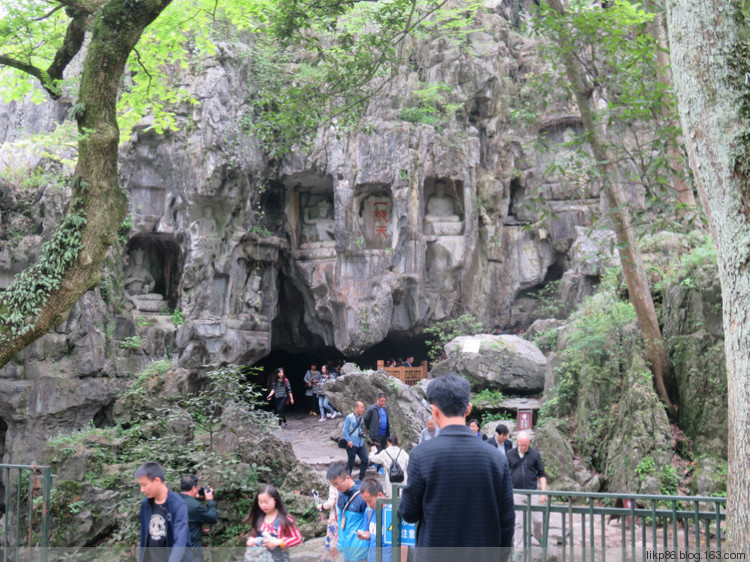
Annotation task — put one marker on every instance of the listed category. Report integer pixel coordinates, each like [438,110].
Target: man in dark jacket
[378,423]
[501,441]
[526,467]
[198,514]
[164,519]
[458,488]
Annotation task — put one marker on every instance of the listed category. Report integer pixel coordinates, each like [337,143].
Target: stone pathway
[312,439]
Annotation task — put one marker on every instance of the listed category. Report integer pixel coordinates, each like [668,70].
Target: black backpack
[395,472]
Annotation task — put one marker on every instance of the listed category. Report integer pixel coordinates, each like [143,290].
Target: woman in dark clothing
[282,392]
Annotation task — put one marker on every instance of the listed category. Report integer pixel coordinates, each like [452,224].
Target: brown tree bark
[710,65]
[115,26]
[627,243]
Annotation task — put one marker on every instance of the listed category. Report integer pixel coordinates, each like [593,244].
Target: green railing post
[718,526]
[39,480]
[379,504]
[396,534]
[46,488]
[591,527]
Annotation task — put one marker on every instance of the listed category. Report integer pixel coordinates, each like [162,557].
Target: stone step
[152,305]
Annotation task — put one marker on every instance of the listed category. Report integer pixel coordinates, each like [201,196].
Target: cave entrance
[153,262]
[296,362]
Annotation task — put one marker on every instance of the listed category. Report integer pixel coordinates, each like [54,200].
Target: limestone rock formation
[640,431]
[506,363]
[407,409]
[692,312]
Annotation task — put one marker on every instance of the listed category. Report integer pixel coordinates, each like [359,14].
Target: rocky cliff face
[368,236]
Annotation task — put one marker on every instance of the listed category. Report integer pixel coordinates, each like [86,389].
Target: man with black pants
[355,443]
[198,514]
[526,467]
[378,423]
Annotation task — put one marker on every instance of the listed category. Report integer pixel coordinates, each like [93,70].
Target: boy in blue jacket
[164,519]
[351,513]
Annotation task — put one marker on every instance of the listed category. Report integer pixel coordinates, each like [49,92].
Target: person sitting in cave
[332,369]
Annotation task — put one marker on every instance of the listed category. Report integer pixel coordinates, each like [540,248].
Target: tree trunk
[116,28]
[630,255]
[710,61]
[683,193]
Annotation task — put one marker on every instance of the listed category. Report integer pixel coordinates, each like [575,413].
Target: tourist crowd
[458,484]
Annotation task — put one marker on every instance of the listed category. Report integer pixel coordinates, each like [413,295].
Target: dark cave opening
[296,362]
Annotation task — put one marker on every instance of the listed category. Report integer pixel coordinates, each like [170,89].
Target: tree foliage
[635,110]
[584,80]
[330,56]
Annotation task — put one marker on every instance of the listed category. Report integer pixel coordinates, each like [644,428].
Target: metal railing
[580,526]
[26,510]
[651,527]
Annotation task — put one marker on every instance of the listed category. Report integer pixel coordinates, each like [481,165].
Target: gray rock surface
[407,409]
[506,363]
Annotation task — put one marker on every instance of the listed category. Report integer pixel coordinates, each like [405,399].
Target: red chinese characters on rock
[381,219]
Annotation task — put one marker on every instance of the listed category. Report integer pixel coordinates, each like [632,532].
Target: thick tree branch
[85,7]
[31,70]
[72,43]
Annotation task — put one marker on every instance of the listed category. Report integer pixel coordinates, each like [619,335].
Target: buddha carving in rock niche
[440,214]
[138,279]
[319,220]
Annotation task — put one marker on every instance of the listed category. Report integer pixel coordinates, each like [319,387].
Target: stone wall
[368,235]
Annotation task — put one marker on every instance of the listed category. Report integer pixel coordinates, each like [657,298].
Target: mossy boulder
[408,411]
[693,331]
[639,430]
[709,477]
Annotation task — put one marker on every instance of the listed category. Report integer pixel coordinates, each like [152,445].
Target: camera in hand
[202,491]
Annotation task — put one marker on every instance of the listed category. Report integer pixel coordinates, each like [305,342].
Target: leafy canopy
[634,107]
[313,61]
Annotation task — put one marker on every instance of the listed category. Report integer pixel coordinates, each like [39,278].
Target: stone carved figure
[139,284]
[319,223]
[138,279]
[440,214]
[252,295]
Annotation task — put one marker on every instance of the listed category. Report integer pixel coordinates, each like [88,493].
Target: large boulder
[564,470]
[506,363]
[407,408]
[87,514]
[693,331]
[254,444]
[638,446]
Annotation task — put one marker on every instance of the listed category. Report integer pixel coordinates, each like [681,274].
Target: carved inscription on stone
[377,221]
